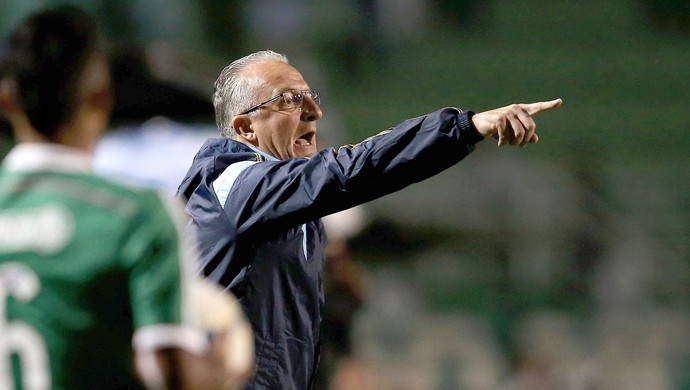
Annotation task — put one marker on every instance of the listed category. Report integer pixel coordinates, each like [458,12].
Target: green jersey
[86,267]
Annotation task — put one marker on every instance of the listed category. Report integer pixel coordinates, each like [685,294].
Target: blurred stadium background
[564,265]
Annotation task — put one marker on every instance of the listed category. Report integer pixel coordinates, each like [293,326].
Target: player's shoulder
[121,195]
[121,188]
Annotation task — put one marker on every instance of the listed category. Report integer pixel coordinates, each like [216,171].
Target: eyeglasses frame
[311,93]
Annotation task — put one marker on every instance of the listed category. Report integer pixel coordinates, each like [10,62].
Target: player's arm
[226,362]
[190,334]
[175,368]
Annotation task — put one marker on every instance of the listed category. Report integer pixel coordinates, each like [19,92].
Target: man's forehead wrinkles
[279,76]
[289,81]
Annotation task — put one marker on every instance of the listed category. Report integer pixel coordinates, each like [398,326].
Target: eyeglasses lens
[295,98]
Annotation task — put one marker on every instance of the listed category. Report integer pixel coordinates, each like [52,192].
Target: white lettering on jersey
[16,337]
[45,230]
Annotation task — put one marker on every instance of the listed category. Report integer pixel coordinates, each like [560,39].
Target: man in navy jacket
[256,196]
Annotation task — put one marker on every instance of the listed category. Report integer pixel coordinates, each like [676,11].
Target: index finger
[536,108]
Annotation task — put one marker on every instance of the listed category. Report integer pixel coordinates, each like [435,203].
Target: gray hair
[234,93]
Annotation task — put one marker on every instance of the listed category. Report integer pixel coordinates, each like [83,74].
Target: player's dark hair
[48,53]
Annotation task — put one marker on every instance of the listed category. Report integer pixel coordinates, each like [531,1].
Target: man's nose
[310,110]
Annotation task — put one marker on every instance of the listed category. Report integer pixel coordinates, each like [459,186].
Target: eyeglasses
[293,98]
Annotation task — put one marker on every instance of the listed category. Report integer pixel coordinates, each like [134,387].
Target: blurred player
[345,293]
[94,284]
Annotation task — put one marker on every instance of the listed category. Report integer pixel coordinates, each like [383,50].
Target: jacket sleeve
[275,195]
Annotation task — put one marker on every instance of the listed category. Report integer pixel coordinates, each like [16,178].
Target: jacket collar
[261,152]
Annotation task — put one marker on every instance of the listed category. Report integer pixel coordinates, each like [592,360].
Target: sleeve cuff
[467,130]
[153,337]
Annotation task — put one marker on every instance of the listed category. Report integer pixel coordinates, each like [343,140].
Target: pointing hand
[512,124]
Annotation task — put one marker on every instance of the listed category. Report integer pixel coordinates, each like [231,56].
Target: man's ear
[243,127]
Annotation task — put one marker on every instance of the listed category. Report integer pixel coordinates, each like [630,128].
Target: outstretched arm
[512,124]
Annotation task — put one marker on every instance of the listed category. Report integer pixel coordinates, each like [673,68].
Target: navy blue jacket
[260,233]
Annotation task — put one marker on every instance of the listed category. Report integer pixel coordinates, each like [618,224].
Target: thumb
[536,108]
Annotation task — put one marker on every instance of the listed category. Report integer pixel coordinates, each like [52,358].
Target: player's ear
[99,85]
[243,127]
[101,99]
[8,97]
[10,108]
